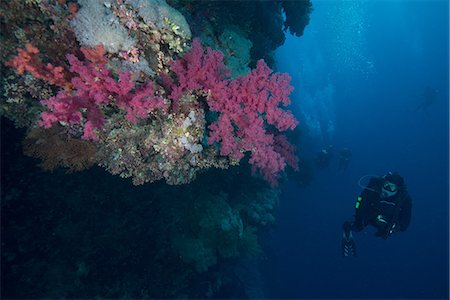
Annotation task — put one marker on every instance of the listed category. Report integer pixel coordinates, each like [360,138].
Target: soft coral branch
[94,87]
[27,60]
[247,107]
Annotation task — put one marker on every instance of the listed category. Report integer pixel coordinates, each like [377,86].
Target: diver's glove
[381,220]
[387,232]
[385,229]
[348,245]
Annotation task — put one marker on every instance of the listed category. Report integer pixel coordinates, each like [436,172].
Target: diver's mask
[388,189]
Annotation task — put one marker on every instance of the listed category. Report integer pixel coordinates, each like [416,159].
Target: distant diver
[344,159]
[428,98]
[323,157]
[385,204]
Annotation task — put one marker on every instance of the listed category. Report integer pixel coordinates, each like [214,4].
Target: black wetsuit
[386,214]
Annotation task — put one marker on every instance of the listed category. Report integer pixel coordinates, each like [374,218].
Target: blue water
[360,71]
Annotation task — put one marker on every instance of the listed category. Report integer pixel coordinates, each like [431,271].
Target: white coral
[94,24]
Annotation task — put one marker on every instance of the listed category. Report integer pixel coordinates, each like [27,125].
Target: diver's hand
[381,220]
[387,231]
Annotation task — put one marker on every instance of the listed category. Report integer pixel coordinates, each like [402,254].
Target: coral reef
[92,92]
[297,15]
[170,92]
[95,24]
[263,23]
[57,148]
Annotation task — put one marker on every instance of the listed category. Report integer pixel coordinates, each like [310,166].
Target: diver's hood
[394,178]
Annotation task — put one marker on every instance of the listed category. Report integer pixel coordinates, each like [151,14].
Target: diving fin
[348,244]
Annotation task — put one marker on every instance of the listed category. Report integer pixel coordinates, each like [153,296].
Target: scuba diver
[344,158]
[385,204]
[428,98]
[323,157]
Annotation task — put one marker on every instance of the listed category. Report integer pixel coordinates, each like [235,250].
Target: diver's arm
[364,203]
[358,224]
[361,211]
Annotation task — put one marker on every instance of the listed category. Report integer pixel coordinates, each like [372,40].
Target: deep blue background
[363,67]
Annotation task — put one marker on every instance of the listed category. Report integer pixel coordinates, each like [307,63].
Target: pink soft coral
[95,87]
[248,107]
[27,60]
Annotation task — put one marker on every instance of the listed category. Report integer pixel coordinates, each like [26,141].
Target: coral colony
[127,79]
[177,96]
